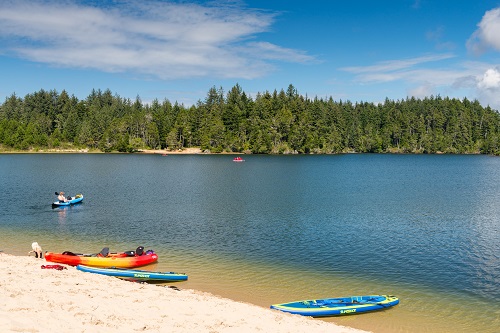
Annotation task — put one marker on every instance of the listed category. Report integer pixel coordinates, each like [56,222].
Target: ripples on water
[280,228]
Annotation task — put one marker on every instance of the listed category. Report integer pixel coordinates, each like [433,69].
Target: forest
[278,122]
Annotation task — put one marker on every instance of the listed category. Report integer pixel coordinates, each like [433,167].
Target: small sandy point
[48,300]
[171,152]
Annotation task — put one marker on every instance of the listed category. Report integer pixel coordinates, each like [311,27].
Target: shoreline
[185,151]
[68,300]
[199,151]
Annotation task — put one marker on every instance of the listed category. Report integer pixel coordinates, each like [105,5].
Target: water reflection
[61,214]
[64,211]
[282,228]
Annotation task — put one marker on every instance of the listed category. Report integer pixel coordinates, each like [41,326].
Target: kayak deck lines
[338,306]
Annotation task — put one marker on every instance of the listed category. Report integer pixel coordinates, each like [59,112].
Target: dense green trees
[275,122]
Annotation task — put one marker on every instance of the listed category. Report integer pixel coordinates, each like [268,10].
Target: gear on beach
[58,267]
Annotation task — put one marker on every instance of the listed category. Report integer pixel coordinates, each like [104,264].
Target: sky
[356,50]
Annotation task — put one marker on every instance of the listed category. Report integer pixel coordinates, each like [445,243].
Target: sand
[48,300]
[185,151]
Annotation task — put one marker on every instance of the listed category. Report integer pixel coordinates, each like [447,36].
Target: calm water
[282,228]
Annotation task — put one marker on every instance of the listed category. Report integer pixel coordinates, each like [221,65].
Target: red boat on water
[238,159]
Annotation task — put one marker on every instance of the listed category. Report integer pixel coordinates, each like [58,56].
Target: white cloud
[393,66]
[487,35]
[434,74]
[167,40]
[488,87]
[436,36]
[270,51]
[490,80]
[402,69]
[422,91]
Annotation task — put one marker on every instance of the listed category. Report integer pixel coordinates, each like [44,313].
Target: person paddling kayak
[61,197]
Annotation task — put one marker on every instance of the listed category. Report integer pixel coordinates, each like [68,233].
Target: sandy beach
[185,151]
[49,300]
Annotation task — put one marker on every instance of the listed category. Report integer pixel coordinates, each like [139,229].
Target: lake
[274,229]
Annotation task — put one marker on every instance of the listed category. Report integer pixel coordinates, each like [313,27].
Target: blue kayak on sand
[338,306]
[135,274]
[74,200]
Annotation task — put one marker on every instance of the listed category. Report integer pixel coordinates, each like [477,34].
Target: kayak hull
[338,306]
[135,274]
[120,260]
[73,201]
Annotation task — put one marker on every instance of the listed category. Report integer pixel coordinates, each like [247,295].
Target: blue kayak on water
[338,306]
[74,200]
[135,274]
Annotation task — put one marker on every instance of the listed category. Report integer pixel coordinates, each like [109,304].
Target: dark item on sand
[58,267]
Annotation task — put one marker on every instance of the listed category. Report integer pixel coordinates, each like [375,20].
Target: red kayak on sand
[128,259]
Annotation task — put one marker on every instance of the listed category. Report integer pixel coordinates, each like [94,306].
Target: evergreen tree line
[281,122]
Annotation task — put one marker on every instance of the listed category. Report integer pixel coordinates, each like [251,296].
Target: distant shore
[185,151]
[97,151]
[171,152]
[68,300]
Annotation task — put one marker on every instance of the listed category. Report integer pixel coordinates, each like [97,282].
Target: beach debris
[58,267]
[173,287]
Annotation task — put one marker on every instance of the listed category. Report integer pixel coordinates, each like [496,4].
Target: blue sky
[355,50]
